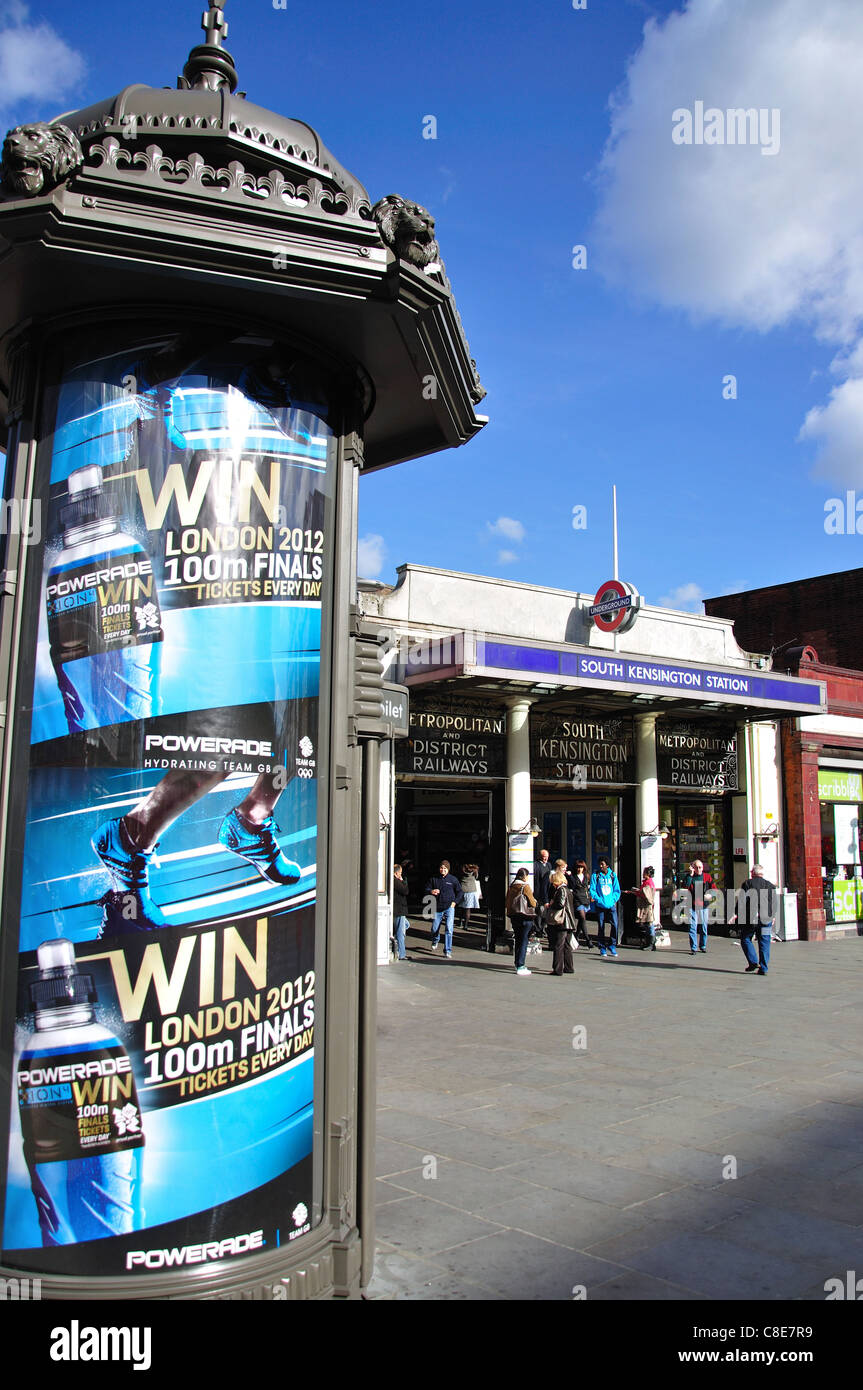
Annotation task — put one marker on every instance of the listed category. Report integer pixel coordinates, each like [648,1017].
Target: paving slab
[602,1167]
[422,1227]
[526,1269]
[723,1269]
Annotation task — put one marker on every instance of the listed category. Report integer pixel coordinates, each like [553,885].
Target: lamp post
[206,332]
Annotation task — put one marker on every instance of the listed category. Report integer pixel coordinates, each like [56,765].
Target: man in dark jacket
[701,889]
[756,909]
[447,893]
[541,878]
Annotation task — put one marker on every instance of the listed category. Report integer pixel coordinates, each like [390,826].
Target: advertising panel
[835,784]
[161,1114]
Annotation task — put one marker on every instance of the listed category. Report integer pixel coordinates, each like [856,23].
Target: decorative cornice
[192,173]
[174,122]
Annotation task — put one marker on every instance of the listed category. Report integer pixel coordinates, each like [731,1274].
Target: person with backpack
[605,895]
[521,910]
[756,909]
[702,890]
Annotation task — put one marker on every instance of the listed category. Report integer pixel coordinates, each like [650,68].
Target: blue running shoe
[259,847]
[128,907]
[612,951]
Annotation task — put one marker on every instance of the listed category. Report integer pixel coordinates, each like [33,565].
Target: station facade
[535,722]
[815,629]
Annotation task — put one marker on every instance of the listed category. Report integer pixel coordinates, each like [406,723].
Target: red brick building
[814,627]
[825,612]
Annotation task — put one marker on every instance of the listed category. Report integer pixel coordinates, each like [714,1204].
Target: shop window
[840,861]
[696,830]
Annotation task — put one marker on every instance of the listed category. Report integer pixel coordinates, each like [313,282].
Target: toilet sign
[615,607]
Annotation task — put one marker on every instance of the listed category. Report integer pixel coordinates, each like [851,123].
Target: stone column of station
[647,795]
[520,847]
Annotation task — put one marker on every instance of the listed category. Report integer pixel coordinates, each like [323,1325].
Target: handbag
[521,906]
[557,918]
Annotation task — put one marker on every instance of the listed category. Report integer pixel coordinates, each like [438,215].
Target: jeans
[401,928]
[448,915]
[747,941]
[697,928]
[521,926]
[603,915]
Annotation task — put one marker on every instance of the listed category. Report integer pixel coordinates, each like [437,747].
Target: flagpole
[614,535]
[614,524]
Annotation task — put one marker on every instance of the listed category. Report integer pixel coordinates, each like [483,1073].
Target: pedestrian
[756,909]
[579,886]
[645,912]
[605,895]
[701,889]
[542,872]
[471,890]
[400,909]
[521,910]
[560,921]
[561,866]
[446,891]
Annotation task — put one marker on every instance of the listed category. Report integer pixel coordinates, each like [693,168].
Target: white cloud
[837,429]
[507,526]
[721,231]
[36,64]
[507,557]
[371,554]
[688,598]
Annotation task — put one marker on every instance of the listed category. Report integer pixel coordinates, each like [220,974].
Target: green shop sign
[847,899]
[834,785]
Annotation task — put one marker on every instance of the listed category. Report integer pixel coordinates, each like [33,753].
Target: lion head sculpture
[37,157]
[407,229]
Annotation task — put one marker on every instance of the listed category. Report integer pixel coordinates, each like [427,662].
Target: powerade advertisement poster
[162,1091]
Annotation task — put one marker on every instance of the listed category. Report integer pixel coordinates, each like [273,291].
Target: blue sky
[554,129]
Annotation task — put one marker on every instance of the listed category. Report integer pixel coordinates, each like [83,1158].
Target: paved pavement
[655,1127]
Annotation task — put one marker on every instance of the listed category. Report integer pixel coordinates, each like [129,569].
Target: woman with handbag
[645,912]
[560,920]
[521,910]
[580,886]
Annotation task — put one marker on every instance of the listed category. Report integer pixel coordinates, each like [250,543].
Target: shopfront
[840,796]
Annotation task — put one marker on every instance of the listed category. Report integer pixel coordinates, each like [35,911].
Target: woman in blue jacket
[605,895]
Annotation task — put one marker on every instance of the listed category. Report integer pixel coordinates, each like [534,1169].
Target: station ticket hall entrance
[461,824]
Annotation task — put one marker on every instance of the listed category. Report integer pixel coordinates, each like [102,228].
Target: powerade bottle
[80,1117]
[104,620]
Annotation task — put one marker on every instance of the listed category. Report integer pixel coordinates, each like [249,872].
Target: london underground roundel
[615,606]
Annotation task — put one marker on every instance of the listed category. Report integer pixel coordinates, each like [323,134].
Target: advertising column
[161,1105]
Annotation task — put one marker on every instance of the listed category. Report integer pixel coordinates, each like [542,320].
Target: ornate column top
[210,64]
